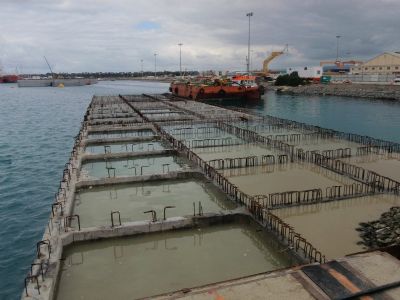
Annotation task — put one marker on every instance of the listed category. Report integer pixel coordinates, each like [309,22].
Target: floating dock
[168,198]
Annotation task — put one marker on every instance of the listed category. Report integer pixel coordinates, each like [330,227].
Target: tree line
[113,74]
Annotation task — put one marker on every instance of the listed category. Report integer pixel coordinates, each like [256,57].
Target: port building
[387,63]
[306,72]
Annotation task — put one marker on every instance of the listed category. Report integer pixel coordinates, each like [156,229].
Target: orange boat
[237,87]
[9,78]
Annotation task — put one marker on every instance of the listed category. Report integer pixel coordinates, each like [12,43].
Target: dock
[176,199]
[56,82]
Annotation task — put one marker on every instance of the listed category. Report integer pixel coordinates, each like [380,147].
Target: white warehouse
[306,72]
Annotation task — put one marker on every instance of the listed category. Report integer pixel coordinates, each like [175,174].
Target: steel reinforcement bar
[294,198]
[254,137]
[352,137]
[376,181]
[248,161]
[335,153]
[295,240]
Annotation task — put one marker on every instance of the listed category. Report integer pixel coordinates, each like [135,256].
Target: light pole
[141,64]
[250,14]
[337,47]
[155,65]
[250,60]
[180,58]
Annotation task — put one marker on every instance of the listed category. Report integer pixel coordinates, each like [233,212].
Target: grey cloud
[100,35]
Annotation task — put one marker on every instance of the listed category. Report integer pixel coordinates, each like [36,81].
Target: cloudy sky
[100,35]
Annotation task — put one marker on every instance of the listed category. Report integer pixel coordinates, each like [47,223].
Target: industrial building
[310,72]
[387,63]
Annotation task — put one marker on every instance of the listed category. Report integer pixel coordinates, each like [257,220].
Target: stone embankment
[383,232]
[375,91]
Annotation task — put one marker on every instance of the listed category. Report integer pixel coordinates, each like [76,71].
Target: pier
[181,199]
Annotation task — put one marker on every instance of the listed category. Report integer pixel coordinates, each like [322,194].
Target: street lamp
[180,58]
[250,14]
[250,59]
[155,65]
[141,64]
[337,47]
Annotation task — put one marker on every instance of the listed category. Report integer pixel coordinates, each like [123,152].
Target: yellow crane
[273,55]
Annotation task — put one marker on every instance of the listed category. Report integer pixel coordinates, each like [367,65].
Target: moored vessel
[9,78]
[56,82]
[203,88]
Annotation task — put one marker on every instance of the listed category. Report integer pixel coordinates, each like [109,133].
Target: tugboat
[205,88]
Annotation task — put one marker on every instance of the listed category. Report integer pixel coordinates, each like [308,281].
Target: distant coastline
[147,79]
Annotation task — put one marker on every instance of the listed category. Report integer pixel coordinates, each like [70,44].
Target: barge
[9,78]
[238,87]
[56,82]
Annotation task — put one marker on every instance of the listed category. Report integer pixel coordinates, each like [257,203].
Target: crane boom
[51,71]
[270,57]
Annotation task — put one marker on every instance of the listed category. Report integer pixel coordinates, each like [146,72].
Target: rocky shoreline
[383,232]
[372,91]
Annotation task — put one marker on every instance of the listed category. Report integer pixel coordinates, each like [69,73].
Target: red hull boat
[239,87]
[9,79]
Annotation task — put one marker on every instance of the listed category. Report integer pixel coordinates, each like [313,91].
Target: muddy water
[94,205]
[327,144]
[154,111]
[163,115]
[146,265]
[307,145]
[126,147]
[120,134]
[330,226]
[134,166]
[263,180]
[209,153]
[273,134]
[198,134]
[108,115]
[259,126]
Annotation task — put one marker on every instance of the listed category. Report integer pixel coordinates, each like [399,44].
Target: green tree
[291,80]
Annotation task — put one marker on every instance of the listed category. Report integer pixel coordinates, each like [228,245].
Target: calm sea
[37,127]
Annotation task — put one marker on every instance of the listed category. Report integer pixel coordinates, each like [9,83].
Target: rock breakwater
[383,232]
[372,91]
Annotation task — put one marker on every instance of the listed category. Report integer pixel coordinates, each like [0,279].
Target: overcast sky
[100,35]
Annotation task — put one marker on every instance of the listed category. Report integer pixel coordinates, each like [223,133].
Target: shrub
[291,80]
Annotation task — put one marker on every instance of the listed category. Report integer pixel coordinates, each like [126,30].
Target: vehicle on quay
[207,88]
